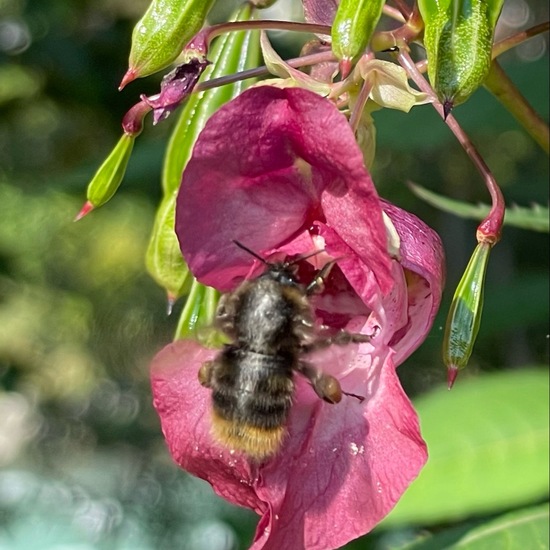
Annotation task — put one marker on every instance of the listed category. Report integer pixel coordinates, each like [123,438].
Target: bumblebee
[271,324]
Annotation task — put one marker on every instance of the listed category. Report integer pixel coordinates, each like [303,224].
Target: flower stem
[262,24]
[394,13]
[402,36]
[516,39]
[295,62]
[490,228]
[500,85]
[362,98]
[401,7]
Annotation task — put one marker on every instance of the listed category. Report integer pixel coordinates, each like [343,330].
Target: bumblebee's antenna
[264,261]
[251,252]
[305,256]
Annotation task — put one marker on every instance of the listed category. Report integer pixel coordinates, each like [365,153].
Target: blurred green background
[82,459]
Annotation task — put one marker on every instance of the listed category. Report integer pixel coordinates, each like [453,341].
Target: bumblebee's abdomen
[260,409]
[251,398]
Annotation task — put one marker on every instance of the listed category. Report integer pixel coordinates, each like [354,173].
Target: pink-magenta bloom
[280,171]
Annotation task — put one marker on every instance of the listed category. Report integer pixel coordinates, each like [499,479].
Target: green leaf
[518,530]
[488,448]
[535,218]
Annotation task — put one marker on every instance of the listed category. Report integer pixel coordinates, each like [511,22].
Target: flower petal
[321,12]
[423,258]
[292,77]
[175,87]
[292,159]
[390,85]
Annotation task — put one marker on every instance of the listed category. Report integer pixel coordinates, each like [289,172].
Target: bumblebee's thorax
[265,320]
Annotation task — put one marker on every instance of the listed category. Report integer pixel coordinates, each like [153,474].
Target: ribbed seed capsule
[160,35]
[352,29]
[231,53]
[458,37]
[465,314]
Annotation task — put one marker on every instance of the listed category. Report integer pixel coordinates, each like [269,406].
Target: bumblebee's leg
[225,313]
[341,338]
[205,374]
[325,385]
[318,284]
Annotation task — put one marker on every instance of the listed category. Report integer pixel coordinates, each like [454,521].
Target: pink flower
[280,171]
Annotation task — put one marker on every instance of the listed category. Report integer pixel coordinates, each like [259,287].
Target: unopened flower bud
[352,29]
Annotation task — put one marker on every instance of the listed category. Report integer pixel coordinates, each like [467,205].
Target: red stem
[516,39]
[362,98]
[266,25]
[490,228]
[295,62]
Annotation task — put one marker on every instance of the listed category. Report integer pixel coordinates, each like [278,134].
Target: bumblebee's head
[282,273]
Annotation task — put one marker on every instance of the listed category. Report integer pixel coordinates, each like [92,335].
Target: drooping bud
[108,177]
[465,313]
[458,37]
[352,29]
[160,35]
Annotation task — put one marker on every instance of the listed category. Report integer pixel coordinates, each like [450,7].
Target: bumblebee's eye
[287,279]
[283,274]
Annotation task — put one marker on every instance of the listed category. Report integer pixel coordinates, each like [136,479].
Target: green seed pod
[160,35]
[458,37]
[163,258]
[465,313]
[107,179]
[352,29]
